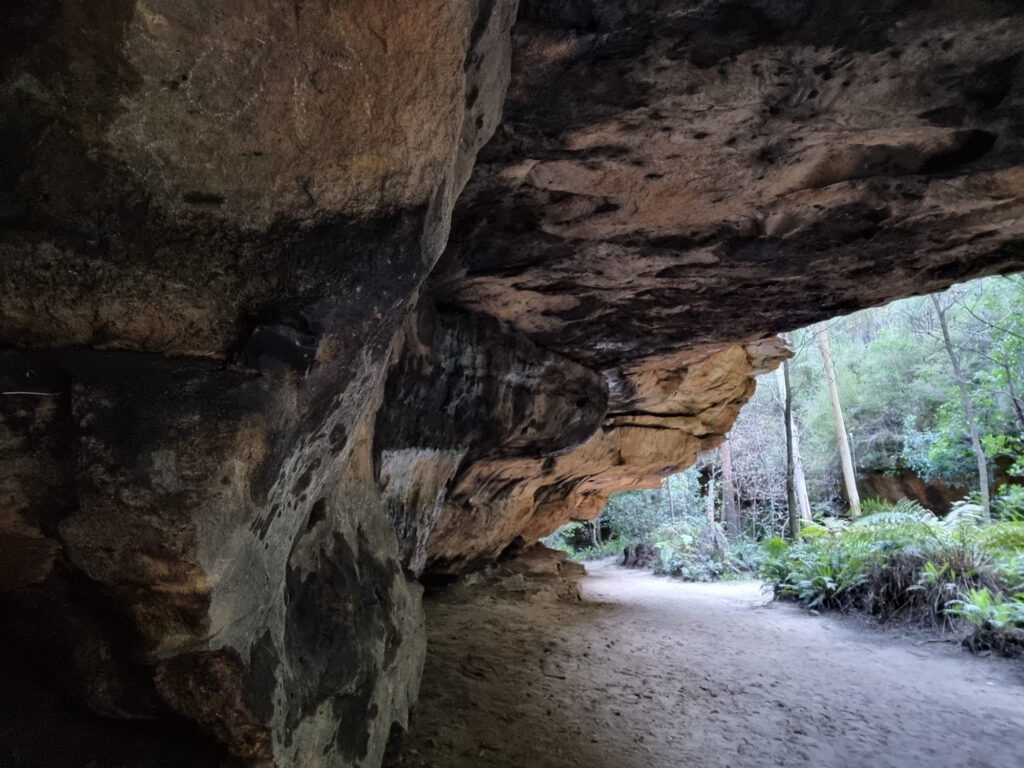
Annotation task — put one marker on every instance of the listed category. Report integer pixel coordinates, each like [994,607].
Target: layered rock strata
[263,369]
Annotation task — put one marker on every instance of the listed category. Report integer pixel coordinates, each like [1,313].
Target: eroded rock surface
[680,173]
[691,401]
[264,369]
[685,176]
[213,220]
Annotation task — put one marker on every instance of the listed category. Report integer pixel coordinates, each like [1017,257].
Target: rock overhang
[279,374]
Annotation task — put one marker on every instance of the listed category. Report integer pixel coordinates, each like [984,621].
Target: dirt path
[652,673]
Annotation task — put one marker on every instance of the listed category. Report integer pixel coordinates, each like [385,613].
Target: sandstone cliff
[297,308]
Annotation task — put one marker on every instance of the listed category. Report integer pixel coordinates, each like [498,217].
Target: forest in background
[925,397]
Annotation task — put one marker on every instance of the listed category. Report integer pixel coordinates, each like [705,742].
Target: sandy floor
[651,673]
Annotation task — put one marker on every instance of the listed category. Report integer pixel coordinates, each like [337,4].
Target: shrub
[1010,571]
[1009,504]
[985,610]
[899,561]
[696,549]
[1003,537]
[607,548]
[565,537]
[997,621]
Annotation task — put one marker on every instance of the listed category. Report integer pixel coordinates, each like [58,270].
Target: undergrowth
[903,562]
[697,549]
[605,549]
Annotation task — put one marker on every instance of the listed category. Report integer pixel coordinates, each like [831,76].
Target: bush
[997,621]
[987,611]
[1010,570]
[565,538]
[696,549]
[689,546]
[1009,504]
[900,561]
[607,548]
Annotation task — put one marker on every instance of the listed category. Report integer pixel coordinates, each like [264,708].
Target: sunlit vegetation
[673,526]
[904,412]
[930,394]
[903,562]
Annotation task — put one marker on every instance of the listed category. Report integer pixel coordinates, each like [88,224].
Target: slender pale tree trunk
[671,501]
[787,409]
[711,496]
[730,514]
[803,501]
[837,412]
[802,497]
[972,423]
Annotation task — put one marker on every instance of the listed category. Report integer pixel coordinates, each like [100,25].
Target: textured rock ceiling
[312,300]
[672,178]
[712,173]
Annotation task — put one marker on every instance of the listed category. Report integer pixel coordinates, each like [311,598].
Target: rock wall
[214,219]
[486,439]
[935,494]
[264,368]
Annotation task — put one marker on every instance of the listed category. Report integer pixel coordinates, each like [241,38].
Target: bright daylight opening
[792,592]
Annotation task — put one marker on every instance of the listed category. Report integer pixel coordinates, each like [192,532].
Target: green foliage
[690,550]
[877,511]
[689,546]
[901,402]
[746,556]
[986,610]
[898,561]
[822,573]
[1004,537]
[870,506]
[565,537]
[697,550]
[1010,570]
[607,548]
[1009,504]
[634,515]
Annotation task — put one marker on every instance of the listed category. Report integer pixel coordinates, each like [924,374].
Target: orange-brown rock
[936,495]
[264,364]
[669,178]
[675,412]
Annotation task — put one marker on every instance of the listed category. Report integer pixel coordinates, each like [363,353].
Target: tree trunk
[972,423]
[730,514]
[837,412]
[671,501]
[803,501]
[787,410]
[711,496]
[802,497]
[595,531]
